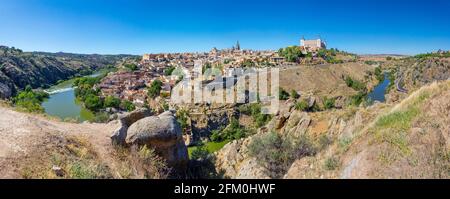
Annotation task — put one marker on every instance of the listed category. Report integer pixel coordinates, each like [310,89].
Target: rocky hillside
[409,74]
[18,68]
[36,146]
[406,140]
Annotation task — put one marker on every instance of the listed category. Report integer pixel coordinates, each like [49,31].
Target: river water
[63,104]
[378,93]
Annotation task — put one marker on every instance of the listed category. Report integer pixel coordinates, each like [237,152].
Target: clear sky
[137,27]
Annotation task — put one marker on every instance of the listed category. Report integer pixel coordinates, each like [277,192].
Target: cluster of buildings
[131,85]
[312,45]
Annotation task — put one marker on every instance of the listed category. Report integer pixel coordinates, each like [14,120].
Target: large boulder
[162,133]
[129,118]
[125,121]
[119,135]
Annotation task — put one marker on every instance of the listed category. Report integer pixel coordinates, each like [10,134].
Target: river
[378,93]
[63,104]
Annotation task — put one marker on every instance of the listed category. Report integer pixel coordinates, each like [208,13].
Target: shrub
[169,71]
[30,100]
[112,102]
[254,110]
[127,105]
[93,102]
[155,89]
[148,164]
[355,84]
[294,94]
[276,153]
[379,74]
[100,117]
[216,136]
[328,103]
[331,163]
[131,67]
[291,53]
[302,105]
[232,132]
[357,99]
[370,62]
[283,95]
[182,118]
[199,153]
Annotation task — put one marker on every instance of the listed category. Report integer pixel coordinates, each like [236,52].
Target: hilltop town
[131,84]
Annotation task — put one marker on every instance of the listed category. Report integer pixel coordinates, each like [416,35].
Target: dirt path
[21,133]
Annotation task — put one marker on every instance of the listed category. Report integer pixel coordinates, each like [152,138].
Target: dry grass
[140,163]
[73,155]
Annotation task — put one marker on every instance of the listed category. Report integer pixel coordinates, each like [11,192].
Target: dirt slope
[28,141]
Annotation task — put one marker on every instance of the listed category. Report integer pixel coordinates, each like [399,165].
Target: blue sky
[137,27]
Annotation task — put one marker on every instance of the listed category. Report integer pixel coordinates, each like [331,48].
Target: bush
[357,99]
[100,117]
[30,100]
[370,62]
[328,103]
[291,53]
[331,163]
[232,132]
[283,95]
[302,105]
[216,136]
[127,105]
[148,164]
[254,110]
[294,94]
[93,102]
[182,118]
[169,71]
[199,153]
[155,89]
[379,74]
[355,84]
[131,67]
[111,102]
[276,153]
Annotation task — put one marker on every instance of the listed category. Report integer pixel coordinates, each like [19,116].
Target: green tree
[132,67]
[291,53]
[93,102]
[30,100]
[112,102]
[169,71]
[127,105]
[155,89]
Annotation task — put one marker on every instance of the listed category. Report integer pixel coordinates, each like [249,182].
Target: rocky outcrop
[162,133]
[233,160]
[297,124]
[130,118]
[126,120]
[5,91]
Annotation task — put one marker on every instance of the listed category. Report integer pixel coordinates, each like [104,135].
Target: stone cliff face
[406,140]
[19,69]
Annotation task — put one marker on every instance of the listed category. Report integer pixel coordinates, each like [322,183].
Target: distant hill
[40,69]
